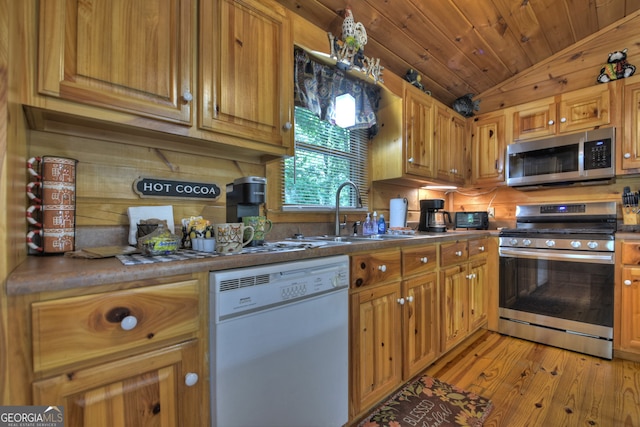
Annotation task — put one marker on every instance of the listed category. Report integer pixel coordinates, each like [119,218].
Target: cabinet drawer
[374,268]
[70,330]
[419,260]
[453,253]
[478,247]
[631,253]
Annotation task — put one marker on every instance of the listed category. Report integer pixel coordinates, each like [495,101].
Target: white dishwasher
[279,344]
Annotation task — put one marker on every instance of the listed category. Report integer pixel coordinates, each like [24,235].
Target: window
[326,156]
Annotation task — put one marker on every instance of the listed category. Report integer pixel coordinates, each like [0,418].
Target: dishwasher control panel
[243,290]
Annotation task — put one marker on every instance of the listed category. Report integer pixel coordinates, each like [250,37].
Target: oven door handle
[559,255]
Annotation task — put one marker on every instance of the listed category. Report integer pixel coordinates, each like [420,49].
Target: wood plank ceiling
[466,46]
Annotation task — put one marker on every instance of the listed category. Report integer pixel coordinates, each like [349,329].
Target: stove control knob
[550,243]
[513,242]
[575,244]
[526,242]
[592,245]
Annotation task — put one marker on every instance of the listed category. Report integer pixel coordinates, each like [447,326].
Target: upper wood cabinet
[246,60]
[156,63]
[419,132]
[450,146]
[570,112]
[630,156]
[129,56]
[488,147]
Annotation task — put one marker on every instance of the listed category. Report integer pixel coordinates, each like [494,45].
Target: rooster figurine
[353,34]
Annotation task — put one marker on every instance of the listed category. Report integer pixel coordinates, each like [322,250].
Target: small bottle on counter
[382,226]
[367,226]
[375,222]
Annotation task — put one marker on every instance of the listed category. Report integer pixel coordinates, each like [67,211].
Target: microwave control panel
[598,154]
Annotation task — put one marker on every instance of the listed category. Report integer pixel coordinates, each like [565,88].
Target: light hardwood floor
[536,385]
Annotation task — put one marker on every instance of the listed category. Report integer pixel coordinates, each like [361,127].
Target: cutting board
[147,212]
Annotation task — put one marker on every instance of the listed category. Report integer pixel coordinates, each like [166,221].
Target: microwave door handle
[554,255]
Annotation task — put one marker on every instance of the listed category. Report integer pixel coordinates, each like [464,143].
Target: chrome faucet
[359,201]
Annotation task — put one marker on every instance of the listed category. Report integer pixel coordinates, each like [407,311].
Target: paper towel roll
[398,212]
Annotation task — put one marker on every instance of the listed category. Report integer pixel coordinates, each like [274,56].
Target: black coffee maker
[432,217]
[244,197]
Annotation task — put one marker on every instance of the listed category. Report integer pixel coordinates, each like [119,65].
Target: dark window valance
[317,86]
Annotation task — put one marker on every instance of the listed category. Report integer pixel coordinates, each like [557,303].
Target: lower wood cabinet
[130,355]
[156,388]
[627,320]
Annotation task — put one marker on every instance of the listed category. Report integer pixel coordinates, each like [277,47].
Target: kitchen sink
[348,239]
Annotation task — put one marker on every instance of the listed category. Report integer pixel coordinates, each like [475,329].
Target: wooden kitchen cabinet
[488,149]
[450,141]
[569,112]
[630,153]
[627,321]
[419,132]
[246,60]
[130,357]
[129,56]
[147,64]
[463,289]
[420,313]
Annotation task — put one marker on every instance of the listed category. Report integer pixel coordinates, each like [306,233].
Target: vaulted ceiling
[466,46]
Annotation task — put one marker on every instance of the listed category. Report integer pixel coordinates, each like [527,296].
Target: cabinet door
[420,323]
[534,119]
[375,344]
[148,389]
[454,294]
[478,290]
[630,309]
[584,109]
[488,149]
[631,128]
[450,146]
[129,56]
[246,60]
[419,133]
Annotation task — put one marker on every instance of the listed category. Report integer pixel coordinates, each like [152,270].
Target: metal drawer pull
[191,379]
[382,268]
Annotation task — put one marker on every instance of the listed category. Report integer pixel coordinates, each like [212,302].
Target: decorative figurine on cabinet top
[465,105]
[617,67]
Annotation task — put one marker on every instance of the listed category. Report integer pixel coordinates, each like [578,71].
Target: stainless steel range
[557,276]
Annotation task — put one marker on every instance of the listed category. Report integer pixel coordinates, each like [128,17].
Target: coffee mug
[261,226]
[52,193]
[51,241]
[53,168]
[230,237]
[52,217]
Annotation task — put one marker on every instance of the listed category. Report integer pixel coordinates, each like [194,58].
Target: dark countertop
[55,272]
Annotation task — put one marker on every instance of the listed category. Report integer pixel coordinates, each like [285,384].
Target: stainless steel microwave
[579,158]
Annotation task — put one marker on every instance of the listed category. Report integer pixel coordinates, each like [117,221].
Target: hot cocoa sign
[154,187]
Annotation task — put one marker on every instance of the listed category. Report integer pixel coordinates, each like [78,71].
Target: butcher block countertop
[57,272]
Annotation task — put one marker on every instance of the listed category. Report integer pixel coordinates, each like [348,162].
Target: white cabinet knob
[551,122]
[187,96]
[471,276]
[410,299]
[401,301]
[563,120]
[287,126]
[627,282]
[191,379]
[458,253]
[627,155]
[481,248]
[129,322]
[382,268]
[410,160]
[424,260]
